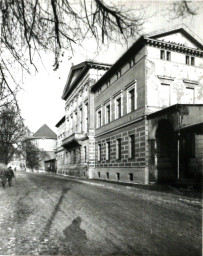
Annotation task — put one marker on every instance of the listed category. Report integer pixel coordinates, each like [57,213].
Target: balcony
[73,139]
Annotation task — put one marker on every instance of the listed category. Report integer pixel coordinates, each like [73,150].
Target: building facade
[40,150]
[60,151]
[149,111]
[75,142]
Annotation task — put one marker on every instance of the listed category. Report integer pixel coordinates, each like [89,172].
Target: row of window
[166,55]
[130,176]
[118,107]
[75,120]
[131,63]
[75,156]
[131,149]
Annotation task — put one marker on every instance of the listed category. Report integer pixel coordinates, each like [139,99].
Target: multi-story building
[76,135]
[149,111]
[40,150]
[60,151]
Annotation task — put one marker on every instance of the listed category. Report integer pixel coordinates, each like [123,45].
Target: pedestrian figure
[10,175]
[3,177]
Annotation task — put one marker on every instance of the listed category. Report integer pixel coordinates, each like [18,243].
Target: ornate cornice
[174,47]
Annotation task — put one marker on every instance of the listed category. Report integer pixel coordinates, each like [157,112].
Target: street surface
[44,214]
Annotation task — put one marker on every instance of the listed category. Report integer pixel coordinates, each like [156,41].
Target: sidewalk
[152,191]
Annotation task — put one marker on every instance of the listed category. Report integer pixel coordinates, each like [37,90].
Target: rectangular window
[86,117]
[74,156]
[132,146]
[165,55]
[98,174]
[85,154]
[131,176]
[108,150]
[162,55]
[79,155]
[80,128]
[187,60]
[131,100]
[192,61]
[118,74]
[108,83]
[76,122]
[107,175]
[108,113]
[118,107]
[118,149]
[168,56]
[99,118]
[99,153]
[118,175]
[132,62]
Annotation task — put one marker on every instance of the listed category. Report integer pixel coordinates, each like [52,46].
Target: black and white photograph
[101,127]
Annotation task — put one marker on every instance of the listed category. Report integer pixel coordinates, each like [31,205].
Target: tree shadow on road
[53,215]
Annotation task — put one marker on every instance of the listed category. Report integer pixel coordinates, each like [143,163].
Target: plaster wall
[46,144]
[181,80]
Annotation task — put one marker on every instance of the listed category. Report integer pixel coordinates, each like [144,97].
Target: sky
[40,99]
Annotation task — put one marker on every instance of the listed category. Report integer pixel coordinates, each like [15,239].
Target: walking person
[3,177]
[10,175]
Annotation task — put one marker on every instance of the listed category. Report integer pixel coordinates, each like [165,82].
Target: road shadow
[75,238]
[53,215]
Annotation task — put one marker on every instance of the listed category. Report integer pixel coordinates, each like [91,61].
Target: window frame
[108,149]
[118,149]
[108,120]
[99,122]
[121,106]
[99,152]
[131,146]
[132,87]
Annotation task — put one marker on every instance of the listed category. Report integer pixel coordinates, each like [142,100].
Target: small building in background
[40,150]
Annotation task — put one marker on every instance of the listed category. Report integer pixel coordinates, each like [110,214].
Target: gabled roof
[184,30]
[77,72]
[45,132]
[140,42]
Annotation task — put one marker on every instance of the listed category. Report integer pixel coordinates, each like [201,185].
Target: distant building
[149,111]
[18,162]
[61,155]
[40,150]
[75,146]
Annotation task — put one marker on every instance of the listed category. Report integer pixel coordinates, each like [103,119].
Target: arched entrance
[163,153]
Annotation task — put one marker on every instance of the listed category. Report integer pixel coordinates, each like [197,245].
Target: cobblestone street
[44,214]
